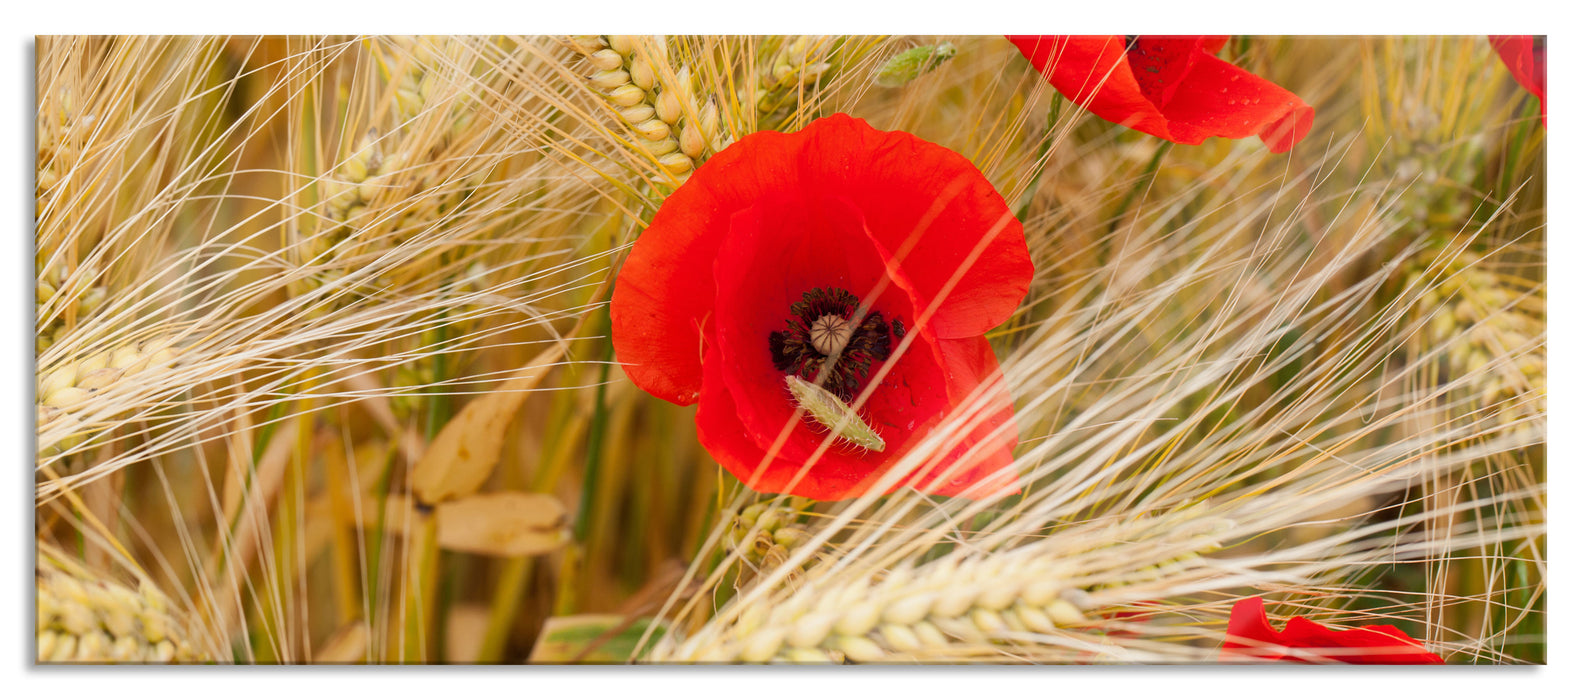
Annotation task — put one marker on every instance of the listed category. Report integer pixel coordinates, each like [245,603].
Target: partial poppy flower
[840,270]
[1527,57]
[1172,87]
[1250,637]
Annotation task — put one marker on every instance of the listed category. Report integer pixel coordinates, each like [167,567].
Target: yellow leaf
[466,449]
[398,511]
[506,524]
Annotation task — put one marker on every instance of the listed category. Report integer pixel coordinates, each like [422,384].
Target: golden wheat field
[840,349]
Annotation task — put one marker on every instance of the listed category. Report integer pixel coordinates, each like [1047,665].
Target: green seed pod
[834,414]
[912,63]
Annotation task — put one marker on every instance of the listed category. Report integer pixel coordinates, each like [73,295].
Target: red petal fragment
[1250,636]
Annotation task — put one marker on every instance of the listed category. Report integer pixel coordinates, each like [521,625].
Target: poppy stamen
[823,330]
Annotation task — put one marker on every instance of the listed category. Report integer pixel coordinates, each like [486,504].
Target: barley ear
[87,618]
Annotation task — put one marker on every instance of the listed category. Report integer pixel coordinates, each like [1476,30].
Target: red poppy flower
[1170,87]
[878,253]
[1249,636]
[1527,57]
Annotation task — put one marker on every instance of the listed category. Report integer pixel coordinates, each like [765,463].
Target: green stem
[590,477]
[376,547]
[573,565]
[1042,161]
[508,591]
[1524,129]
[438,404]
[449,585]
[1142,183]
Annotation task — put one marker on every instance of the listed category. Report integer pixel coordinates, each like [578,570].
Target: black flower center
[830,323]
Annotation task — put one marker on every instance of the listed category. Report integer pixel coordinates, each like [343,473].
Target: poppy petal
[920,195]
[1249,635]
[979,460]
[950,229]
[980,465]
[721,432]
[1092,71]
[1217,98]
[1159,64]
[660,308]
[1170,87]
[1526,57]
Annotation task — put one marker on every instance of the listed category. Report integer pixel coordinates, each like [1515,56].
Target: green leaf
[593,639]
